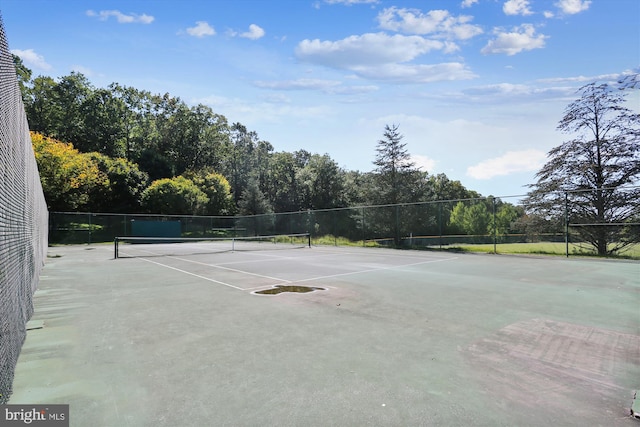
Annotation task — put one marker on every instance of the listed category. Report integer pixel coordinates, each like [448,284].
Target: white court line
[394,267]
[326,252]
[371,252]
[226,268]
[193,274]
[269,258]
[277,279]
[284,281]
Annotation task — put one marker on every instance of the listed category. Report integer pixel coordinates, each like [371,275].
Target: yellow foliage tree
[68,176]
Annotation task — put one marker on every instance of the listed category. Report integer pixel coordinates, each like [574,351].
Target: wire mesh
[23,221]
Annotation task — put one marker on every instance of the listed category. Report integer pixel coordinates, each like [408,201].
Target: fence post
[440,223]
[566,223]
[363,230]
[495,227]
[398,241]
[334,217]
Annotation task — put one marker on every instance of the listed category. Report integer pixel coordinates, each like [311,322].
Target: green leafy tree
[104,130]
[155,164]
[196,136]
[357,187]
[239,166]
[133,118]
[41,106]
[217,189]
[456,218]
[122,190]
[322,183]
[474,219]
[178,196]
[477,219]
[24,76]
[442,188]
[283,190]
[263,155]
[71,92]
[593,168]
[505,218]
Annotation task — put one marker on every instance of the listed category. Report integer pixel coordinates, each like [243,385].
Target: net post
[309,239]
[115,248]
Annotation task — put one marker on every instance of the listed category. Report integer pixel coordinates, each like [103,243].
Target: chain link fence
[488,224]
[439,224]
[23,221]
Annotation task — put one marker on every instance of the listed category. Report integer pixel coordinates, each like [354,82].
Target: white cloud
[254,33]
[423,163]
[365,50]
[82,70]
[32,59]
[276,98]
[511,162]
[520,39]
[201,29]
[251,111]
[468,3]
[298,84]
[351,2]
[380,56]
[516,7]
[326,86]
[580,79]
[571,7]
[548,14]
[510,93]
[439,23]
[122,18]
[409,73]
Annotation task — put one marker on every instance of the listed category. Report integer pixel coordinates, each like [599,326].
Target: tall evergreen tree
[593,168]
[393,166]
[253,201]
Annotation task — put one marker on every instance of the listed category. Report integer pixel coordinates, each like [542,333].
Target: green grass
[539,248]
[330,240]
[542,248]
[83,226]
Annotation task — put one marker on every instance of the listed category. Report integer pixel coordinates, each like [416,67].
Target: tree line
[136,146]
[121,149]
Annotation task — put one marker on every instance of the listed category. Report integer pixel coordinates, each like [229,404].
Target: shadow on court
[385,338]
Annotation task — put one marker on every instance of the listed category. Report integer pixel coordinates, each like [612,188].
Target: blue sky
[476,86]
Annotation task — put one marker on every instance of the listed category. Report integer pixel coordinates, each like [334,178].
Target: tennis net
[143,247]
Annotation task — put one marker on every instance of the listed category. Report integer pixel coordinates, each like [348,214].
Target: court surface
[396,338]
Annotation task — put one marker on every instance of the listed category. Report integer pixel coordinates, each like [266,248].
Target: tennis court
[383,337]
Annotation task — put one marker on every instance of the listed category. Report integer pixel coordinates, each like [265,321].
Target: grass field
[543,248]
[538,248]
